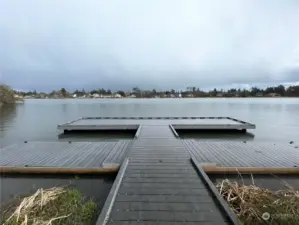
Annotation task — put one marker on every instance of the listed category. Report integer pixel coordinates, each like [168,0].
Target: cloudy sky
[116,44]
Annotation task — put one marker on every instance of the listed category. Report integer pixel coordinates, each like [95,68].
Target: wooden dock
[158,184]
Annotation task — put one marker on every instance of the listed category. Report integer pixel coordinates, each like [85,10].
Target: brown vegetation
[52,206]
[6,95]
[255,205]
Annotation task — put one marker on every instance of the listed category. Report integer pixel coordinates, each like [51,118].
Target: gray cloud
[160,44]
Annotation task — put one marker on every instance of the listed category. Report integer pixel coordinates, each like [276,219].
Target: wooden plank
[164,198]
[157,154]
[157,171]
[160,170]
[165,206]
[162,167]
[160,191]
[163,185]
[161,162]
[163,180]
[145,158]
[57,170]
[165,216]
[159,175]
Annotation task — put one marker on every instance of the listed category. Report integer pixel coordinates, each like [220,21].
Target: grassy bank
[52,206]
[255,205]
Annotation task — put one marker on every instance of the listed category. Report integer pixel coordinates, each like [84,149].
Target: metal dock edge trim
[160,118]
[212,126]
[224,207]
[138,131]
[99,127]
[106,210]
[69,122]
[241,121]
[173,131]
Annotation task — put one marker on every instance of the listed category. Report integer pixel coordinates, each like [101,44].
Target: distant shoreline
[160,98]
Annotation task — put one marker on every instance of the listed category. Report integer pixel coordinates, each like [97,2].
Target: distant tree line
[275,91]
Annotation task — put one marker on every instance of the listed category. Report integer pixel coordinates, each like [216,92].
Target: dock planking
[153,188]
[244,154]
[65,155]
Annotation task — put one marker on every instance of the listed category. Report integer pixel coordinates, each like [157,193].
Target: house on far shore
[96,96]
[219,95]
[259,94]
[117,96]
[273,95]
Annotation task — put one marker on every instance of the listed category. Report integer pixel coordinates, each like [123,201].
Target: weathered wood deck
[158,184]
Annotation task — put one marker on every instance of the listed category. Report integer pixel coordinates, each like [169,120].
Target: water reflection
[96,135]
[7,115]
[216,135]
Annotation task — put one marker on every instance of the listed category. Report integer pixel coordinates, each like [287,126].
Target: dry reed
[255,205]
[50,207]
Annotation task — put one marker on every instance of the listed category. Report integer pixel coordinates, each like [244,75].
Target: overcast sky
[117,44]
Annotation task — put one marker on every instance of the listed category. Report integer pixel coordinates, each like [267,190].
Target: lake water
[277,120]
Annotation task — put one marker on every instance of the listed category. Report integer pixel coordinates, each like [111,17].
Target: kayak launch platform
[133,123]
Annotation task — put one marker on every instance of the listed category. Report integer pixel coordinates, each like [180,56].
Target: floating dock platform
[133,123]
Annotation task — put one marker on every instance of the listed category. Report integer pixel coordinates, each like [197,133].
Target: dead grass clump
[255,205]
[52,206]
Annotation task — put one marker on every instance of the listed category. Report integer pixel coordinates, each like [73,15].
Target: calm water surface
[277,120]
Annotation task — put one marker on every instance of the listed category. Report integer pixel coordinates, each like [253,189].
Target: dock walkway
[158,184]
